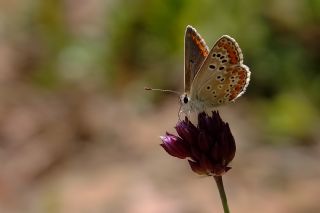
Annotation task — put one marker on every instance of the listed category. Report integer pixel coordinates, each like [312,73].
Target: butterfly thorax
[189,104]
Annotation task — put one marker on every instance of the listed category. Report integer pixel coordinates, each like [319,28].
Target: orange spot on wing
[242,76]
[200,45]
[231,53]
[232,96]
[238,88]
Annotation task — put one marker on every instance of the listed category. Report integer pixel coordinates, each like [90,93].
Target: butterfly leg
[189,112]
[179,115]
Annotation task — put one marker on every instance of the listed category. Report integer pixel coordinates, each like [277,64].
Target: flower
[209,147]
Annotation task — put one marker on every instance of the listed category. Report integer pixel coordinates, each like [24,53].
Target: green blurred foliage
[47,23]
[291,117]
[278,39]
[141,42]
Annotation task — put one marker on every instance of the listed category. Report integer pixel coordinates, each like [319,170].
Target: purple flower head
[209,147]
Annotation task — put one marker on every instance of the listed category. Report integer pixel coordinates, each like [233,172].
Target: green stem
[222,193]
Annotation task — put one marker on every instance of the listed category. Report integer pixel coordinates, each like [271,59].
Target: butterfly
[211,78]
[214,77]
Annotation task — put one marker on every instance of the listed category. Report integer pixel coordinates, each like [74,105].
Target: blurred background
[79,134]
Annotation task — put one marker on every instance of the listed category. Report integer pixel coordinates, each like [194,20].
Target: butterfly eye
[185,99]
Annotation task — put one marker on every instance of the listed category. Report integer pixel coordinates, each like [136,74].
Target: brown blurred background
[79,134]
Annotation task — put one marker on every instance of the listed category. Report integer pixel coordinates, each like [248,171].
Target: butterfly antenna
[163,90]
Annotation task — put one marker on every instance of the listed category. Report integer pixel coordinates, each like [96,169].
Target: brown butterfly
[211,78]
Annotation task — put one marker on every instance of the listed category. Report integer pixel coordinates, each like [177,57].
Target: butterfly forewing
[196,51]
[222,77]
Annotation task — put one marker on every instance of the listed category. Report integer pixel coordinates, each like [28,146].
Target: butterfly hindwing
[196,51]
[224,86]
[222,78]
